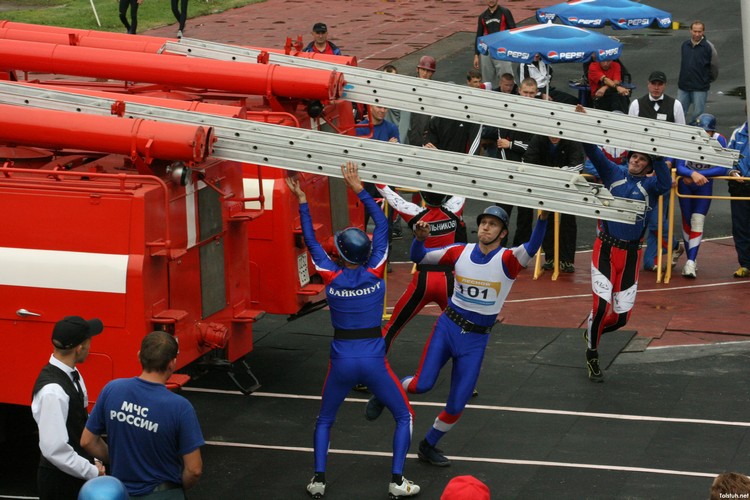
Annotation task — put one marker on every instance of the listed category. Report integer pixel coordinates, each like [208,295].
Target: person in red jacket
[607,91]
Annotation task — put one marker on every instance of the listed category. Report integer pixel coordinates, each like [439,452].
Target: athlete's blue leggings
[467,352]
[376,374]
[692,227]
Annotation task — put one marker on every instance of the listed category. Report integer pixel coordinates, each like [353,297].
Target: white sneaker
[690,269]
[316,490]
[179,33]
[405,489]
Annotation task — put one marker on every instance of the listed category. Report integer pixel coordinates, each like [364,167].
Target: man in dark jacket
[698,68]
[557,152]
[320,43]
[492,20]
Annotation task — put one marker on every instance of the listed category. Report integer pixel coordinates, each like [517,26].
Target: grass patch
[79,14]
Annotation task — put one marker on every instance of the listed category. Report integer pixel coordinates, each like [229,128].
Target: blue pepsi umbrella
[556,43]
[620,14]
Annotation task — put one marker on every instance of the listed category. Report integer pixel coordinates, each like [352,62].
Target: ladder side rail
[468,104]
[399,155]
[553,199]
[495,177]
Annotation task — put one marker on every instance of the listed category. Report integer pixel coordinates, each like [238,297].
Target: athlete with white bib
[484,274]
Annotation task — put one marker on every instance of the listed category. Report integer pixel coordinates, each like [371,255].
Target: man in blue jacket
[698,68]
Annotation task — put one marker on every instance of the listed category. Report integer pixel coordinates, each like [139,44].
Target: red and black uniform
[617,249]
[431,282]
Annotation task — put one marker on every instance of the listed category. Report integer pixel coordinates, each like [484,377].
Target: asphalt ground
[662,425]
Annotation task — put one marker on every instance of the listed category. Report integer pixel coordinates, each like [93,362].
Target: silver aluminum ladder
[322,153]
[464,103]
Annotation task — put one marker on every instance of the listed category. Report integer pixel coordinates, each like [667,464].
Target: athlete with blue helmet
[695,180]
[355,290]
[485,273]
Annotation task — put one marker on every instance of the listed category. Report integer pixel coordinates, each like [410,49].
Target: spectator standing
[659,106]
[656,104]
[607,92]
[133,5]
[320,43]
[153,436]
[418,122]
[399,117]
[454,135]
[699,67]
[179,10]
[485,273]
[494,19]
[59,406]
[694,179]
[355,291]
[617,248]
[741,208]
[559,153]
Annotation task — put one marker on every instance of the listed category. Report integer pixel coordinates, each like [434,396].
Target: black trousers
[54,484]
[180,13]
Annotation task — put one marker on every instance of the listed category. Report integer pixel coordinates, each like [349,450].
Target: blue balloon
[103,488]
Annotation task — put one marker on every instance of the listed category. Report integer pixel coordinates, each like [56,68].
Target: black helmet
[496,212]
[353,245]
[434,199]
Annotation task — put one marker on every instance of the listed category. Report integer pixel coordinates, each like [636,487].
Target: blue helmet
[706,121]
[103,488]
[353,245]
[496,212]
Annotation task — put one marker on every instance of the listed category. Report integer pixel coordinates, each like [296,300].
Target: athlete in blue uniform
[485,273]
[695,179]
[356,290]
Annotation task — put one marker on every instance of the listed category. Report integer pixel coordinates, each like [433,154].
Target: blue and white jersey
[620,183]
[481,287]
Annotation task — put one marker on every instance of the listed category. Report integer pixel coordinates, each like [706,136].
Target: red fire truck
[134,221]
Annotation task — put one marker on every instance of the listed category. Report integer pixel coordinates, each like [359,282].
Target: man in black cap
[320,43]
[59,406]
[658,105]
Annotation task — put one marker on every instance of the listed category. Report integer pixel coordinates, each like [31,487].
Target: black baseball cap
[657,76]
[74,330]
[320,28]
